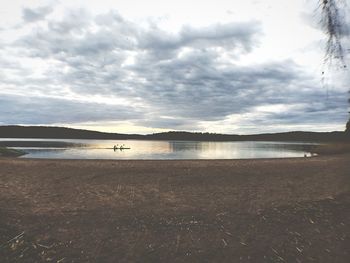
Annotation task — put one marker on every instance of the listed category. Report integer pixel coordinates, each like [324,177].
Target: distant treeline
[58,133]
[68,133]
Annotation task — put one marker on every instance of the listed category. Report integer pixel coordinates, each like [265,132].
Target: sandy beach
[268,210]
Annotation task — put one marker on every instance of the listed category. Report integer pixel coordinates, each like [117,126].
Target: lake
[139,149]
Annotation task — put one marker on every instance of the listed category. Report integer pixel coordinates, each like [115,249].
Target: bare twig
[12,239]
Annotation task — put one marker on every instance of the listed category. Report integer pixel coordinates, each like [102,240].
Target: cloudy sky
[133,66]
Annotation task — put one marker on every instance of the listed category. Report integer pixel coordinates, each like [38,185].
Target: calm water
[103,149]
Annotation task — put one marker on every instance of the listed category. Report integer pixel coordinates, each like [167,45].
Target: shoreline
[256,210]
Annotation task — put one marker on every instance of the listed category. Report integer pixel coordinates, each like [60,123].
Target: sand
[268,210]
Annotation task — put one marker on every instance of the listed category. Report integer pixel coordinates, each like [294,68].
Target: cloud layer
[97,68]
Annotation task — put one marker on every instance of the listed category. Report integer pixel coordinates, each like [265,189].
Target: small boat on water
[121,148]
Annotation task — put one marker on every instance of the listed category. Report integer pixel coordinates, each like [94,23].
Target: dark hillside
[68,133]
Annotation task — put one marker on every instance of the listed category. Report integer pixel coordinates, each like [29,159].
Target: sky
[224,66]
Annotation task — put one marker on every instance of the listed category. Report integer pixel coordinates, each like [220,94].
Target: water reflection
[104,149]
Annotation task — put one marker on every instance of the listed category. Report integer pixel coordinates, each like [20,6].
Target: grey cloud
[209,94]
[8,64]
[198,78]
[111,18]
[221,35]
[74,22]
[33,15]
[312,108]
[73,36]
[224,35]
[43,110]
[319,119]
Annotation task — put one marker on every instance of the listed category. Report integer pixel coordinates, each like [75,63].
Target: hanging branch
[333,24]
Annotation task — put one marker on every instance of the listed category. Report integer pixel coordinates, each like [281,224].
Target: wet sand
[272,210]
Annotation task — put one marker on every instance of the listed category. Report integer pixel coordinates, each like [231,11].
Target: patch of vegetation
[6,152]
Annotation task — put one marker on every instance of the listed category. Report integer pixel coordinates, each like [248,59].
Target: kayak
[121,148]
